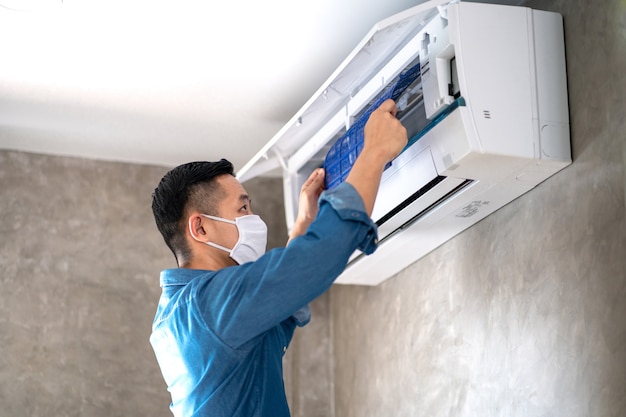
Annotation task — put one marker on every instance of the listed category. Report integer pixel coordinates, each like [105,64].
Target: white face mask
[252,238]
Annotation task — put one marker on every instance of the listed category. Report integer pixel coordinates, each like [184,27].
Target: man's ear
[196,225]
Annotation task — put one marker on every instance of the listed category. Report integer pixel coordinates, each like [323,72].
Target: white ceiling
[167,82]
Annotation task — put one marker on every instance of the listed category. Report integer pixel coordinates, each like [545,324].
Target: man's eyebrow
[244,198]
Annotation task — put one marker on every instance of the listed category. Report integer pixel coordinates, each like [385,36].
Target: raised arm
[385,137]
[288,278]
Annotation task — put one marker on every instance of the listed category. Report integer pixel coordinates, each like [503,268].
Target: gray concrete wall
[524,313]
[79,264]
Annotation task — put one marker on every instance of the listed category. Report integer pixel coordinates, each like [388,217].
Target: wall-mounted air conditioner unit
[481,89]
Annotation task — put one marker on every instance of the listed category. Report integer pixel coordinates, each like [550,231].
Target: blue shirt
[219,336]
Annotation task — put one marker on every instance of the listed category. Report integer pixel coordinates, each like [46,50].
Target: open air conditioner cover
[481,89]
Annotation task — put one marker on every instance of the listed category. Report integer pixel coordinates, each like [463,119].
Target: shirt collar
[179,276]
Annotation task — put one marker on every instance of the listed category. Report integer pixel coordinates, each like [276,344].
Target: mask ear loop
[219,219]
[215,245]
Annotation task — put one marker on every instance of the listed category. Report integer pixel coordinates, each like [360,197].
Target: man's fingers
[315,179]
[389,106]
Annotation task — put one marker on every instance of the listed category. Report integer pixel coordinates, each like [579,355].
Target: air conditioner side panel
[552,102]
[493,50]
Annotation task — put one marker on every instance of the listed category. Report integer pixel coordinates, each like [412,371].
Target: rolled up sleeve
[348,204]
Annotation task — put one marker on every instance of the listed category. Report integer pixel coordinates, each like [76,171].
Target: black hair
[190,186]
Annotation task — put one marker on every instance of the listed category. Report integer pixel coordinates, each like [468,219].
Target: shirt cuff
[348,204]
[302,317]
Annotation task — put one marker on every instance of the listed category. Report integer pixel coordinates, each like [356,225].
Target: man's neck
[207,263]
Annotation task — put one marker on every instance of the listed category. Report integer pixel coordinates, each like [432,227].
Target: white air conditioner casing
[488,122]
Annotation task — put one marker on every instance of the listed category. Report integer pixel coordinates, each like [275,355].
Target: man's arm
[385,137]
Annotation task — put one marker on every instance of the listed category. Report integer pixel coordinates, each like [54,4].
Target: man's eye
[245,208]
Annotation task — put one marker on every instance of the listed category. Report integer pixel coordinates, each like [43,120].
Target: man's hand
[385,137]
[307,206]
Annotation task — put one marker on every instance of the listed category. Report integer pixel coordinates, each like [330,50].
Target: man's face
[236,203]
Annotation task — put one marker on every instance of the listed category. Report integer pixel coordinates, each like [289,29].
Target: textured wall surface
[523,314]
[307,371]
[79,263]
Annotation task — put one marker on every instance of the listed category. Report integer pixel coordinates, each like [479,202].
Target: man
[228,312]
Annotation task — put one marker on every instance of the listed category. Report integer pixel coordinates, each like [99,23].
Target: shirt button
[284,348]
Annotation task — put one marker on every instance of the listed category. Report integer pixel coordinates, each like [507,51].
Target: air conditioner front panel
[487,120]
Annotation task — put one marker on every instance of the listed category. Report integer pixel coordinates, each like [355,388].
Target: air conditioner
[481,89]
